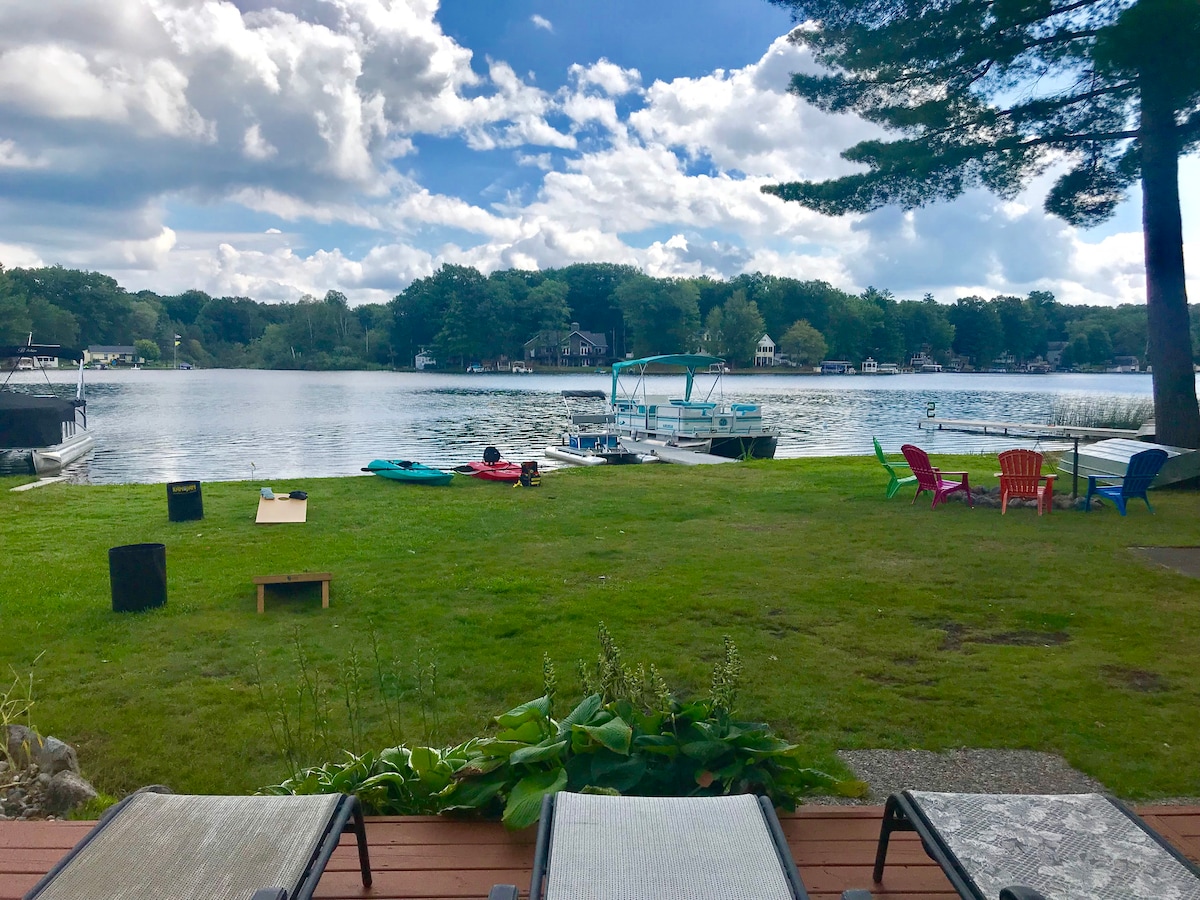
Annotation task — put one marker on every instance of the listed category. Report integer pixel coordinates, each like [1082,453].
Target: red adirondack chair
[930,479]
[1021,476]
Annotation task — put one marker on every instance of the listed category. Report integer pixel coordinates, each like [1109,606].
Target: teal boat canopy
[690,361]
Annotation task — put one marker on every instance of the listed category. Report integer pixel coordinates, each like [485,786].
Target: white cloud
[609,77]
[110,113]
[541,22]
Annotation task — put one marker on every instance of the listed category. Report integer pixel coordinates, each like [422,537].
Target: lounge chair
[1021,477]
[1024,847]
[930,478]
[894,480]
[1139,474]
[179,847]
[650,848]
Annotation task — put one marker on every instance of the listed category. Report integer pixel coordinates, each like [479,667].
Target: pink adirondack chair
[1021,476]
[930,479]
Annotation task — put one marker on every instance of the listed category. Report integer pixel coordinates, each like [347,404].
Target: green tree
[803,344]
[978,334]
[146,349]
[663,314]
[741,329]
[988,94]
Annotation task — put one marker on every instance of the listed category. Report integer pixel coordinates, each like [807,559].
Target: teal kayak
[406,470]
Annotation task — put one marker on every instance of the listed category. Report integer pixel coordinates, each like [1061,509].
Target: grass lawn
[862,622]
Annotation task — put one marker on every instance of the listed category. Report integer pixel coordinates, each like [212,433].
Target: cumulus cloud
[317,112]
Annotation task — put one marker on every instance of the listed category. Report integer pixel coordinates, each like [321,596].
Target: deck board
[426,858]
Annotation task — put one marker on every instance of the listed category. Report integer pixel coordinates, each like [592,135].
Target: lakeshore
[863,623]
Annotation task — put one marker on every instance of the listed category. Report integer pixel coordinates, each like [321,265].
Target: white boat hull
[575,457]
[52,460]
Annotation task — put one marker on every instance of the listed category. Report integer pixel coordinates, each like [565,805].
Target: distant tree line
[458,315]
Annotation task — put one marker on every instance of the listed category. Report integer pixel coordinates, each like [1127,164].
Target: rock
[66,792]
[55,756]
[22,744]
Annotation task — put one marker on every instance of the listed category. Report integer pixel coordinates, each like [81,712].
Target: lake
[236,424]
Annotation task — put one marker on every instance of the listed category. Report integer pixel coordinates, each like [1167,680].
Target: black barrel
[138,573]
[184,502]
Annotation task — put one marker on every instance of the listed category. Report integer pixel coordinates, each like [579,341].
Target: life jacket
[530,476]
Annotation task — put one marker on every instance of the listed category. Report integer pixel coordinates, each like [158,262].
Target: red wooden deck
[439,859]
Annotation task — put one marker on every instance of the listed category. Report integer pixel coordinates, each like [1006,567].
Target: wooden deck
[439,859]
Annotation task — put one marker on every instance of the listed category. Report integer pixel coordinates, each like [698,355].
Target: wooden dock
[1023,429]
[442,859]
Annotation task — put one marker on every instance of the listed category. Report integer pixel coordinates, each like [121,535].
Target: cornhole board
[281,510]
[295,578]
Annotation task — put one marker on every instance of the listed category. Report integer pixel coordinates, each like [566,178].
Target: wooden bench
[296,578]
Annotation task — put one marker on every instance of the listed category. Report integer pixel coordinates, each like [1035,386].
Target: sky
[277,148]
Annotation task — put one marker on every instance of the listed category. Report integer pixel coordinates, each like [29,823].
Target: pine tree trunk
[1176,415]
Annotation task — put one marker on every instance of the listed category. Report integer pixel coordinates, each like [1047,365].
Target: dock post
[1075,473]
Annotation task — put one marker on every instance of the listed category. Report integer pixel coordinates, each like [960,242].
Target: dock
[1020,429]
[676,455]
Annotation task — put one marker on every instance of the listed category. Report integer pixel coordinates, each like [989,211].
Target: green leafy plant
[628,735]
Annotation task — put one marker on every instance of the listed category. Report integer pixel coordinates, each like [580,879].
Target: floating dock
[673,454]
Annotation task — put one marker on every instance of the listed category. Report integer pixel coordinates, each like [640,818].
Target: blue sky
[276,148]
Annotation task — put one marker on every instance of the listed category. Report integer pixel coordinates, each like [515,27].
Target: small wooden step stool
[296,578]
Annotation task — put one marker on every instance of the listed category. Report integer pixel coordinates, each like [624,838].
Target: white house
[764,353]
[425,360]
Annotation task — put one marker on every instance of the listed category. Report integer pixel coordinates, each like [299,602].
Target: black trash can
[184,502]
[138,573]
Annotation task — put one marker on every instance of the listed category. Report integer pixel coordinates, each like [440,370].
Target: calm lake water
[231,424]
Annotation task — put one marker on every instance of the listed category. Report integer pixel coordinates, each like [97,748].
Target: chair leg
[1148,506]
[1003,502]
[966,486]
[1120,501]
[360,832]
[892,821]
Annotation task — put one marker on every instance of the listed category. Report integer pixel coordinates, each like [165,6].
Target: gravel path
[968,772]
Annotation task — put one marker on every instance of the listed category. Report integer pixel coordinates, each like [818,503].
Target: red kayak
[497,471]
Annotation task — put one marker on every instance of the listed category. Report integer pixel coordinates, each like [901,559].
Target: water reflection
[156,426]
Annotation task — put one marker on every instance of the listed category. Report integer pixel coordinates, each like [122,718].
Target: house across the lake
[764,353]
[571,347]
[114,355]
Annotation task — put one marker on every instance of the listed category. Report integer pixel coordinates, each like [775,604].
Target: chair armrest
[1049,477]
[506,892]
[856,894]
[1093,479]
[940,472]
[270,894]
[900,465]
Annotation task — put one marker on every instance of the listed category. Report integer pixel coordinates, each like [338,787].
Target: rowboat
[406,470]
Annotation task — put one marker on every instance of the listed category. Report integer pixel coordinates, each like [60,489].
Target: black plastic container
[138,573]
[184,502]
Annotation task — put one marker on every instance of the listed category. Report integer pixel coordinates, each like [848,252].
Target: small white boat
[40,434]
[591,439]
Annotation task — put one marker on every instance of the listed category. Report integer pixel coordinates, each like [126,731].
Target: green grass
[862,622]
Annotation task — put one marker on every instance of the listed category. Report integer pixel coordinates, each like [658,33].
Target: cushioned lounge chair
[654,848]
[1056,846]
[179,847]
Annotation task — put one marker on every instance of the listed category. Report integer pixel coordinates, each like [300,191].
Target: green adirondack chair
[896,481]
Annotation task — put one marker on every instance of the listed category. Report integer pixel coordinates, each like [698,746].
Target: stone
[56,756]
[22,744]
[66,792]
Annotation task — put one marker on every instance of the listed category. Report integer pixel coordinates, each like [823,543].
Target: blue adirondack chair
[895,481]
[1140,472]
